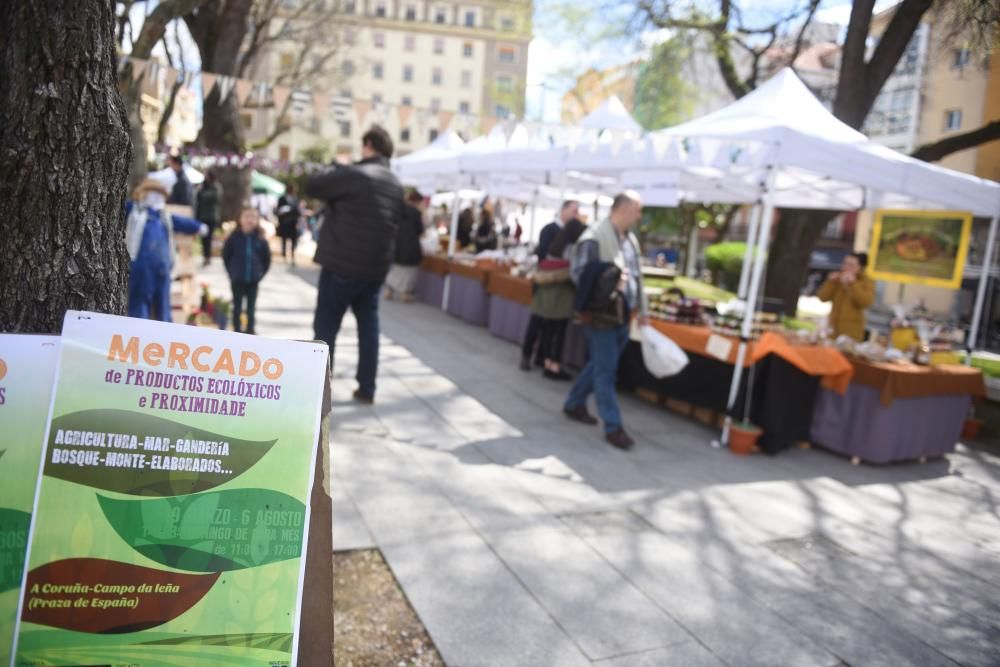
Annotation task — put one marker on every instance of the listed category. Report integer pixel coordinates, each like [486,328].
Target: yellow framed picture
[920,247]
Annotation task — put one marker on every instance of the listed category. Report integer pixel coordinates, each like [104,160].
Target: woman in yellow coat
[851,292]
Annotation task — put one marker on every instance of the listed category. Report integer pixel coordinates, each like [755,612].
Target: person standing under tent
[289,212]
[486,233]
[181,194]
[553,298]
[149,238]
[851,292]
[568,211]
[364,206]
[608,275]
[402,278]
[206,210]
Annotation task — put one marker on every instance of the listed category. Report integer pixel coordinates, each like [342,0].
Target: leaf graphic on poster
[13,539]
[278,641]
[211,532]
[131,598]
[159,474]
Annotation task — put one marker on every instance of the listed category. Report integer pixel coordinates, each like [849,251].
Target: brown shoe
[581,415]
[364,399]
[619,439]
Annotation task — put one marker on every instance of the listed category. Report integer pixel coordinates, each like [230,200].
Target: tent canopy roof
[611,115]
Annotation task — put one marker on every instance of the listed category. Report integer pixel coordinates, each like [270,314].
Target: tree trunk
[791,248]
[63,134]
[132,98]
[219,29]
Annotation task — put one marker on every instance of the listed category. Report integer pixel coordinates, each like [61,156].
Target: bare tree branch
[156,24]
[959,142]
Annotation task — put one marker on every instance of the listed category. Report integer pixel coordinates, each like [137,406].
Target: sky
[555,57]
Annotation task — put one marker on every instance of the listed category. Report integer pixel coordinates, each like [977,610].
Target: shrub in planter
[725,261]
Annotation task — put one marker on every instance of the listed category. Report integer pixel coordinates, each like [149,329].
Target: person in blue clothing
[247,256]
[149,237]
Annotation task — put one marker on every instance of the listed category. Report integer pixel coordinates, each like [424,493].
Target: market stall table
[896,412]
[510,305]
[430,280]
[469,300]
[787,378]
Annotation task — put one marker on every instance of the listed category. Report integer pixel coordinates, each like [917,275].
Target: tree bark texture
[219,28]
[791,250]
[64,157]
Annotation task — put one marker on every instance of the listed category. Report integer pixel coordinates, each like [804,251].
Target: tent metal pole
[741,292]
[984,279]
[452,239]
[534,213]
[759,260]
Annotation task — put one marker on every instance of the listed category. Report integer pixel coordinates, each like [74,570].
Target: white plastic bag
[662,356]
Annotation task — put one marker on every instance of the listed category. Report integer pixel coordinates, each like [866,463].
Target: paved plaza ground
[522,539]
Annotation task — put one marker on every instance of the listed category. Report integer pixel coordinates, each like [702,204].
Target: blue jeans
[336,295]
[599,376]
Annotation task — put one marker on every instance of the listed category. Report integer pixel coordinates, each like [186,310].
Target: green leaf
[212,532]
[151,480]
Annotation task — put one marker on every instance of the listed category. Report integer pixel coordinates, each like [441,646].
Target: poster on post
[920,247]
[27,368]
[171,515]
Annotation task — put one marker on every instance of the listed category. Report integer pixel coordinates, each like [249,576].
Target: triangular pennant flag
[361,108]
[121,63]
[260,93]
[208,82]
[487,123]
[172,77]
[280,95]
[153,71]
[444,119]
[138,67]
[243,90]
[422,116]
[321,103]
[226,84]
[405,110]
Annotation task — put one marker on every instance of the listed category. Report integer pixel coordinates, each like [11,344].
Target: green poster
[27,368]
[173,507]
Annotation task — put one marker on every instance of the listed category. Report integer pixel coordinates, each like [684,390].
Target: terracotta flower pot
[971,428]
[743,438]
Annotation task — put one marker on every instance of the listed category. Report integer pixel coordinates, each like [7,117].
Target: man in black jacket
[356,247]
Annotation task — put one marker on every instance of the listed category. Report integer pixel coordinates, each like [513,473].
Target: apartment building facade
[416,67]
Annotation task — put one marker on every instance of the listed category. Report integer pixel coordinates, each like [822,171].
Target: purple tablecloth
[508,319]
[469,300]
[857,424]
[430,288]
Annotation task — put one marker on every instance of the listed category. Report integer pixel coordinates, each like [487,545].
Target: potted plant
[972,425]
[221,312]
[743,437]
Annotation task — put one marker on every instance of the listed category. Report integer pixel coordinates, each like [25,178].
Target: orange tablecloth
[513,288]
[435,264]
[827,362]
[911,381]
[474,272]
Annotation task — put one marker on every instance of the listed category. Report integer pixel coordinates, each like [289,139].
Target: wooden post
[316,620]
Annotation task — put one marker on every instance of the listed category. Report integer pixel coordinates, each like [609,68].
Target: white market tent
[611,115]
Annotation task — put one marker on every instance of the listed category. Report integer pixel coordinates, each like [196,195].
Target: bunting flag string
[243,90]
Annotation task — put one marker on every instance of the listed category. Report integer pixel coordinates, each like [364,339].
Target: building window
[376,98]
[345,129]
[284,153]
[436,76]
[411,13]
[380,10]
[463,107]
[959,58]
[467,49]
[404,135]
[410,42]
[435,104]
[377,71]
[507,24]
[440,15]
[953,119]
[349,36]
[432,135]
[347,68]
[466,79]
[247,119]
[407,72]
[350,6]
[438,45]
[506,54]
[470,19]
[379,38]
[502,111]
[407,101]
[505,84]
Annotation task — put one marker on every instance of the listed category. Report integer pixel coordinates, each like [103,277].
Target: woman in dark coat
[402,279]
[289,213]
[553,297]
